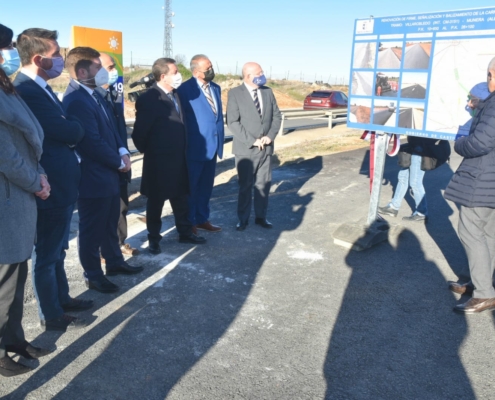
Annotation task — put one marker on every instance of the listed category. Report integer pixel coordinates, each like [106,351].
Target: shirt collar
[250,88]
[88,89]
[164,90]
[202,84]
[38,79]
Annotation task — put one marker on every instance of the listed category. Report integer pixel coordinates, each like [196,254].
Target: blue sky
[305,39]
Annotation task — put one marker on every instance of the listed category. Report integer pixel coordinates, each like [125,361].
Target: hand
[266,140]
[258,144]
[127,161]
[459,135]
[44,193]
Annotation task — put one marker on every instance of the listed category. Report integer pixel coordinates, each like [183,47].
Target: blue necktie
[171,96]
[55,98]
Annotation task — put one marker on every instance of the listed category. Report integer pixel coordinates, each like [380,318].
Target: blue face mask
[259,80]
[113,75]
[11,61]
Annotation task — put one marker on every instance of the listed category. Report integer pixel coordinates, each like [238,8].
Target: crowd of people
[56,155]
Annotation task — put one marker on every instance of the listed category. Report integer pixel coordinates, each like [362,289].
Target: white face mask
[176,80]
[101,77]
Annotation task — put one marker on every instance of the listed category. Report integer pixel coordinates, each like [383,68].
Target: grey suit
[253,165]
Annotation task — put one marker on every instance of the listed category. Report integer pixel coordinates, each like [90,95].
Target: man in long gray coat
[473,188]
[254,119]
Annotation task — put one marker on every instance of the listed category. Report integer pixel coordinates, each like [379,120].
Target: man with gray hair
[202,103]
[473,188]
[254,119]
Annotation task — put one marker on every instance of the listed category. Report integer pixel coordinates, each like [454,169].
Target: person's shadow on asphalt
[150,342]
[396,335]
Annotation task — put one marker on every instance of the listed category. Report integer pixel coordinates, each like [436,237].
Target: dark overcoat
[473,184]
[160,134]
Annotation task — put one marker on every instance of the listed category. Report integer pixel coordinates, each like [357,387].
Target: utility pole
[167,39]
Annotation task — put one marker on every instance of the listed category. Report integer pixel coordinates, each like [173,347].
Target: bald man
[254,119]
[115,102]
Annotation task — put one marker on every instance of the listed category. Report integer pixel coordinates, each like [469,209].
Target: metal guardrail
[335,115]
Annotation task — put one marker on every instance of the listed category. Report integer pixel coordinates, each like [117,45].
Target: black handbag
[435,155]
[404,155]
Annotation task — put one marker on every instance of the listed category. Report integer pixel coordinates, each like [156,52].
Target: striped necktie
[206,90]
[256,101]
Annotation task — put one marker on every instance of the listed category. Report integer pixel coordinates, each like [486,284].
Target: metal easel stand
[361,236]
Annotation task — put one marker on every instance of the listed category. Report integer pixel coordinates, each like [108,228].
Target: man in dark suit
[254,119]
[103,155]
[41,61]
[202,104]
[115,102]
[159,133]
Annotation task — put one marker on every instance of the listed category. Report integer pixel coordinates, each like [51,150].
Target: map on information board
[411,74]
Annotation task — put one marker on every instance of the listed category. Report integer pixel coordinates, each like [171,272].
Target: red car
[324,99]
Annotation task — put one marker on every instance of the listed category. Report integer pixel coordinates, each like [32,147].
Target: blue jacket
[473,184]
[205,131]
[62,133]
[99,150]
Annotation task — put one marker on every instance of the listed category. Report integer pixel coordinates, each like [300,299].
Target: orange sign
[104,41]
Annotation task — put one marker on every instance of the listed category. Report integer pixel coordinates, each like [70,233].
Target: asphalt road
[281,313]
[381,117]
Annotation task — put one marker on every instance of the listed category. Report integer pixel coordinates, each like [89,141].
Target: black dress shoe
[102,285]
[9,367]
[192,238]
[154,248]
[123,269]
[77,305]
[27,350]
[64,323]
[240,226]
[263,222]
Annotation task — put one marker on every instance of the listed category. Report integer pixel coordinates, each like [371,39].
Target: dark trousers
[201,180]
[154,207]
[98,220]
[253,171]
[124,208]
[12,281]
[49,280]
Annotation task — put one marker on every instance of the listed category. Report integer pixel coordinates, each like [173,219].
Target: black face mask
[209,75]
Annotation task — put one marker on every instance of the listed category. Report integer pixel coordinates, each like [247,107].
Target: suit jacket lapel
[249,100]
[264,99]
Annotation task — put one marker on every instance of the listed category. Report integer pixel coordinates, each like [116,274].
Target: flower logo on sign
[114,44]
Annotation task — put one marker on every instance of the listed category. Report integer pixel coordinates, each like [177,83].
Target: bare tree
[181,59]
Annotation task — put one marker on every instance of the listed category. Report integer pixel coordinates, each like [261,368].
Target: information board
[411,74]
[104,41]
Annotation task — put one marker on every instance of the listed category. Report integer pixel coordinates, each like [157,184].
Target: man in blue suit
[41,61]
[202,103]
[103,155]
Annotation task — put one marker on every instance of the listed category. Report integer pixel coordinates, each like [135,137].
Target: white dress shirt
[258,91]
